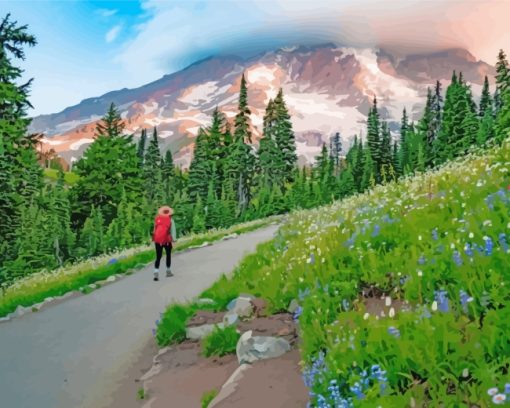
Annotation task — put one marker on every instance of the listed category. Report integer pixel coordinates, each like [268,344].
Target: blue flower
[507,388]
[441,297]
[457,258]
[468,250]
[464,300]
[488,246]
[435,235]
[297,313]
[312,259]
[345,304]
[376,231]
[154,332]
[394,332]
[502,242]
[112,261]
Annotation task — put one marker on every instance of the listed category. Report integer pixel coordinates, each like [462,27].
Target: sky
[88,48]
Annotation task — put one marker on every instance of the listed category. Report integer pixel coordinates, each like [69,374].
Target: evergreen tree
[368,178]
[284,137]
[396,160]
[425,127]
[373,140]
[199,171]
[198,217]
[386,154]
[91,237]
[503,103]
[108,169]
[168,175]
[270,156]
[241,163]
[20,174]
[141,146]
[485,99]
[486,128]
[152,172]
[336,149]
[404,145]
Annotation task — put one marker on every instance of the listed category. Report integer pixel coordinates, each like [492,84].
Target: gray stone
[49,299]
[230,386]
[293,306]
[199,332]
[242,306]
[252,348]
[4,319]
[230,318]
[205,301]
[92,286]
[111,278]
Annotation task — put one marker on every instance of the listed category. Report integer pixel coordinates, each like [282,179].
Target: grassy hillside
[69,177]
[404,291]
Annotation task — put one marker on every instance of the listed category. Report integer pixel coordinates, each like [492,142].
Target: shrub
[220,342]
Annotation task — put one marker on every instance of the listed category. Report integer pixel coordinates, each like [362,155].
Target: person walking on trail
[164,236]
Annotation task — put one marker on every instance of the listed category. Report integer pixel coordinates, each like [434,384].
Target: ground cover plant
[437,245]
[220,341]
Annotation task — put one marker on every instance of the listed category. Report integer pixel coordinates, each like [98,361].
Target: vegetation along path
[74,354]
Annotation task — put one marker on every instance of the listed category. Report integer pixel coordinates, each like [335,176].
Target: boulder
[230,318]
[242,306]
[111,278]
[293,306]
[252,348]
[199,332]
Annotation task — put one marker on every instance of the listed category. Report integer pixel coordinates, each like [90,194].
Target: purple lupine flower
[464,300]
[376,231]
[357,391]
[394,332]
[502,242]
[297,313]
[507,388]
[488,246]
[441,297]
[435,235]
[312,259]
[112,261]
[468,250]
[422,260]
[457,258]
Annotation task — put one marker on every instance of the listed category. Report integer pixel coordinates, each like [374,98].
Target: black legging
[159,254]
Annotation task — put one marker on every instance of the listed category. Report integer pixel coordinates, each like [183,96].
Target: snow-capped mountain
[328,89]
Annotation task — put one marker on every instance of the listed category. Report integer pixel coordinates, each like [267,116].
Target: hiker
[163,236]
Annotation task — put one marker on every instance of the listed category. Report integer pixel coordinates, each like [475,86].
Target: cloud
[179,33]
[113,33]
[106,12]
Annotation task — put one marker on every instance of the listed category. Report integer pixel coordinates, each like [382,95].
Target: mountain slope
[327,89]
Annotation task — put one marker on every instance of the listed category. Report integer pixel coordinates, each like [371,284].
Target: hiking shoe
[169,273]
[156,278]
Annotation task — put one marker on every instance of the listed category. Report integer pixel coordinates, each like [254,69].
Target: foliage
[220,341]
[207,397]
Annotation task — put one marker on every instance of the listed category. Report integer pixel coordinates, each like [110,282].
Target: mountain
[327,88]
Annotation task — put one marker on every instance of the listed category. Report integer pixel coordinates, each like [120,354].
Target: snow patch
[149,108]
[200,93]
[261,73]
[79,143]
[70,125]
[52,142]
[194,130]
[165,133]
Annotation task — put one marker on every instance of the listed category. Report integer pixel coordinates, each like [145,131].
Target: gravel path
[75,354]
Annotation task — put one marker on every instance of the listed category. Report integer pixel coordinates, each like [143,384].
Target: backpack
[162,225]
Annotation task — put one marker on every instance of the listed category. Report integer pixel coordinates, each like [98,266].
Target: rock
[205,301]
[230,318]
[199,332]
[252,348]
[49,299]
[241,306]
[230,385]
[259,307]
[20,311]
[111,278]
[293,306]
[92,286]
[4,319]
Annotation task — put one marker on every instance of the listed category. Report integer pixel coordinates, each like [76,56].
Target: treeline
[122,183]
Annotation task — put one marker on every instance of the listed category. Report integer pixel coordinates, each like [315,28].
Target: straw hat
[166,210]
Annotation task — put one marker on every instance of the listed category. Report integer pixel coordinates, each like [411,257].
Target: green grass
[141,395]
[172,327]
[207,397]
[37,287]
[438,241]
[220,342]
[70,178]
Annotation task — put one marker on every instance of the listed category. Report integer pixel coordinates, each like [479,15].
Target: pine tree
[396,160]
[373,140]
[198,217]
[404,145]
[385,147]
[336,149]
[503,104]
[152,171]
[141,146]
[199,171]
[20,174]
[284,137]
[368,171]
[485,99]
[425,127]
[91,237]
[241,163]
[168,175]
[108,169]
[270,156]
[486,128]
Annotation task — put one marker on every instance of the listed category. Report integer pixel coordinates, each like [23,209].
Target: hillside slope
[327,89]
[404,291]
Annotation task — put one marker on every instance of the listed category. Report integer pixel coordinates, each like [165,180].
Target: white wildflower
[387,301]
[391,313]
[434,306]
